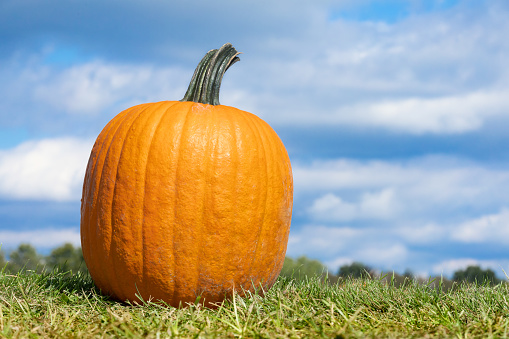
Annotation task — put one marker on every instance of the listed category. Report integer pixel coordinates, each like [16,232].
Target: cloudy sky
[394,113]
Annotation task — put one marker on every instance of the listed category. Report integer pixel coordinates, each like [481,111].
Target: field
[56,305]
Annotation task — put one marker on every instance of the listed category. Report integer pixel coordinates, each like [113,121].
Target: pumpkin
[187,200]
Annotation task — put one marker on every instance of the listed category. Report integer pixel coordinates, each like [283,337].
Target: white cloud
[323,240]
[413,188]
[92,87]
[396,214]
[435,72]
[383,248]
[332,207]
[48,169]
[350,174]
[81,97]
[41,238]
[442,72]
[339,245]
[448,267]
[427,233]
[372,205]
[492,228]
[378,204]
[448,114]
[383,255]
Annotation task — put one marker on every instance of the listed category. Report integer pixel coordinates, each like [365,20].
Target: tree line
[68,258]
[303,267]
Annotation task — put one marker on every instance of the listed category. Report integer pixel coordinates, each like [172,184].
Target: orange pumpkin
[187,199]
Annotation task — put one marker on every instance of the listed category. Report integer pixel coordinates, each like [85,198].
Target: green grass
[57,305]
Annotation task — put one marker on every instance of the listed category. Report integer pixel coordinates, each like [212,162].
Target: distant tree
[301,267]
[408,274]
[396,279]
[436,282]
[476,274]
[25,257]
[2,260]
[354,270]
[66,258]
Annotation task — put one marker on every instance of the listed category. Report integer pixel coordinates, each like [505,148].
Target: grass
[56,305]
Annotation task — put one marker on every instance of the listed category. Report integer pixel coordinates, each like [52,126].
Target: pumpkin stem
[206,80]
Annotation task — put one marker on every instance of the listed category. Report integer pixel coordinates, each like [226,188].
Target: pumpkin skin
[184,200]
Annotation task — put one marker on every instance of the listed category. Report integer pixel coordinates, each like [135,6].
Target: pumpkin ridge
[210,127]
[261,143]
[275,167]
[161,174]
[247,122]
[148,116]
[288,201]
[178,161]
[115,124]
[273,192]
[235,152]
[143,228]
[114,227]
[99,188]
[88,194]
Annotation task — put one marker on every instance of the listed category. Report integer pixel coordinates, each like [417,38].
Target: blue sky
[394,113]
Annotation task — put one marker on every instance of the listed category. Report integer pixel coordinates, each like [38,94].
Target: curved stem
[206,80]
